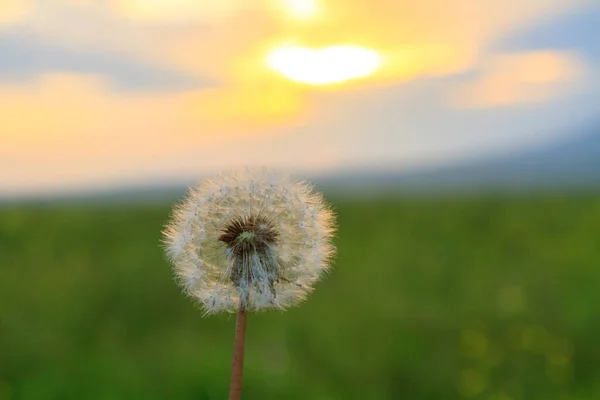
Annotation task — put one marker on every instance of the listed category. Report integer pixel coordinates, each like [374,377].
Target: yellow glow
[13,10]
[525,77]
[302,8]
[324,66]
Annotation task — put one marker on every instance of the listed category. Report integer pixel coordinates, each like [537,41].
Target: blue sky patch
[23,58]
[576,31]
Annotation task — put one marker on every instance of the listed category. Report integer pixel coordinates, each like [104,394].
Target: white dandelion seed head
[251,239]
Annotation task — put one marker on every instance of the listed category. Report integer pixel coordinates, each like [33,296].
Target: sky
[115,93]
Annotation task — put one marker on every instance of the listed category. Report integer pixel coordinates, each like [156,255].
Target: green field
[484,298]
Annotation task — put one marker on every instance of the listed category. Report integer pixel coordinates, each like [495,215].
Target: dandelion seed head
[252,239]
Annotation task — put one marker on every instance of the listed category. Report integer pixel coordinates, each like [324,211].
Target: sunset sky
[111,93]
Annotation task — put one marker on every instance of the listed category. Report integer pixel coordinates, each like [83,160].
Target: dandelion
[250,241]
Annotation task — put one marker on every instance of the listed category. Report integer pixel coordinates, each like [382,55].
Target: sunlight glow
[324,66]
[302,8]
[13,10]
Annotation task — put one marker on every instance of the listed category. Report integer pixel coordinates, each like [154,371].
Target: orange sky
[85,108]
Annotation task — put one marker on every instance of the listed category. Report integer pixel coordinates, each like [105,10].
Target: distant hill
[572,163]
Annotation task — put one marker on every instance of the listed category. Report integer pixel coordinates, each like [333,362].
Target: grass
[484,298]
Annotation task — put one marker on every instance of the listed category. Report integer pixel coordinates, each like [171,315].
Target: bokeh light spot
[471,383]
[473,343]
[511,299]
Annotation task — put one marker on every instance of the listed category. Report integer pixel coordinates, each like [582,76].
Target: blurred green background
[482,297]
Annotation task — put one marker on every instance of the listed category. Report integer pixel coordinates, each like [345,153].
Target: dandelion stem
[237,365]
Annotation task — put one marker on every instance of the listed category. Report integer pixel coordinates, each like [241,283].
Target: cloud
[24,58]
[64,113]
[527,77]
[394,127]
[90,24]
[63,130]
[75,107]
[229,40]
[67,132]
[416,38]
[409,125]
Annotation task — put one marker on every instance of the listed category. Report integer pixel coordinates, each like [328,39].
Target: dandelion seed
[249,241]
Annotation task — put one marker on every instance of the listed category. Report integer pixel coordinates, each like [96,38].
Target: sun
[324,66]
[302,8]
